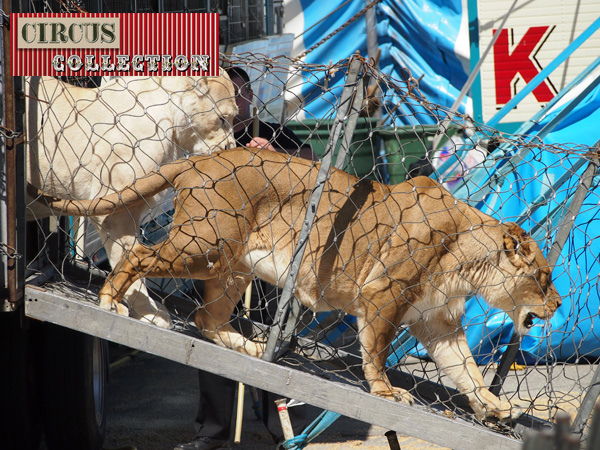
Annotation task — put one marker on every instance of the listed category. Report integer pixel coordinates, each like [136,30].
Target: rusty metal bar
[13,136]
[11,166]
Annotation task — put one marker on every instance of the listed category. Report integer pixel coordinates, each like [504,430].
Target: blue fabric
[416,34]
[320,424]
[579,126]
[420,35]
[574,328]
[576,277]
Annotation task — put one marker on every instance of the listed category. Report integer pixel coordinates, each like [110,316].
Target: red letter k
[520,62]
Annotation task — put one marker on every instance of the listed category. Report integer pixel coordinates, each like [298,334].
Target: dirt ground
[151,403]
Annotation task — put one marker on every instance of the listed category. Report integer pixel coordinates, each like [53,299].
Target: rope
[320,424]
[324,18]
[333,33]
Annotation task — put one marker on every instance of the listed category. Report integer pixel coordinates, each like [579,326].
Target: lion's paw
[108,304]
[256,349]
[396,394]
[157,319]
[505,412]
[501,410]
[150,311]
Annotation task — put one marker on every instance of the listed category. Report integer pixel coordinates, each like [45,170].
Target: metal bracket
[5,19]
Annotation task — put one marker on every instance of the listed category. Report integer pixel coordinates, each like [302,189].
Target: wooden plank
[63,309]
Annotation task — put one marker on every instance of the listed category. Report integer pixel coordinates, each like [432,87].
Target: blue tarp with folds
[428,38]
[420,35]
[575,329]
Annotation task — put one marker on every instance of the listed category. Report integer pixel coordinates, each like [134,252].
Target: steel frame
[70,309]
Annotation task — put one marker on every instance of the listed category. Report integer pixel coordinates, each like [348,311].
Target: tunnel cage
[376,129]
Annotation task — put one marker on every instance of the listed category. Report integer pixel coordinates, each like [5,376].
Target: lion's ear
[199,84]
[517,244]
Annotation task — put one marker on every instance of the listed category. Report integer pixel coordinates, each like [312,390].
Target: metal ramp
[73,308]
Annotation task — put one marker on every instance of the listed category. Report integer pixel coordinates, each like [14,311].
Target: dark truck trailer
[51,385]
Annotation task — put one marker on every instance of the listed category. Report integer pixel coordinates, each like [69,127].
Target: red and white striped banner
[115,44]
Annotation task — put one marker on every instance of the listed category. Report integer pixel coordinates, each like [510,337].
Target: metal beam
[474,73]
[344,110]
[572,211]
[479,183]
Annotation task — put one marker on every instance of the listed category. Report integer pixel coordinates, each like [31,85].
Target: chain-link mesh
[235,230]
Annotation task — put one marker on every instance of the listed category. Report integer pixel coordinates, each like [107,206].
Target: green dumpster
[406,145]
[381,153]
[363,154]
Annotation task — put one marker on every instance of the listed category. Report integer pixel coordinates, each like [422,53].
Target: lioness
[85,143]
[390,255]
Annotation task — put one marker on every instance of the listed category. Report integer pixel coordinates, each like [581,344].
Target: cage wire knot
[10,134]
[9,252]
[5,19]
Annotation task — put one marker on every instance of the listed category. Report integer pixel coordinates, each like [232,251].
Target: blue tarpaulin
[426,37]
[574,331]
[429,38]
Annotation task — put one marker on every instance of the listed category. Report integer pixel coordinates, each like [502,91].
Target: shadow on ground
[151,404]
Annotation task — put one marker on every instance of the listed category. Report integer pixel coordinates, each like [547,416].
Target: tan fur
[390,255]
[84,143]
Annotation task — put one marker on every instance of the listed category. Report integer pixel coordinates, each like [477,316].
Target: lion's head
[209,106]
[526,289]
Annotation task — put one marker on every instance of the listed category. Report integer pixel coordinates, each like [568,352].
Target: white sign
[535,33]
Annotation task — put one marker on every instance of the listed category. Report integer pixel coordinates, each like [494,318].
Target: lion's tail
[142,188]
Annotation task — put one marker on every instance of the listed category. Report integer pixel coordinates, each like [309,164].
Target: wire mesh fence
[390,256]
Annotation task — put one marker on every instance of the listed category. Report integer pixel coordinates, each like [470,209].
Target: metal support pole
[11,140]
[269,18]
[550,126]
[593,438]
[392,438]
[543,198]
[510,355]
[594,391]
[372,41]
[3,187]
[355,106]
[508,358]
[478,184]
[345,106]
[572,211]
[587,404]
